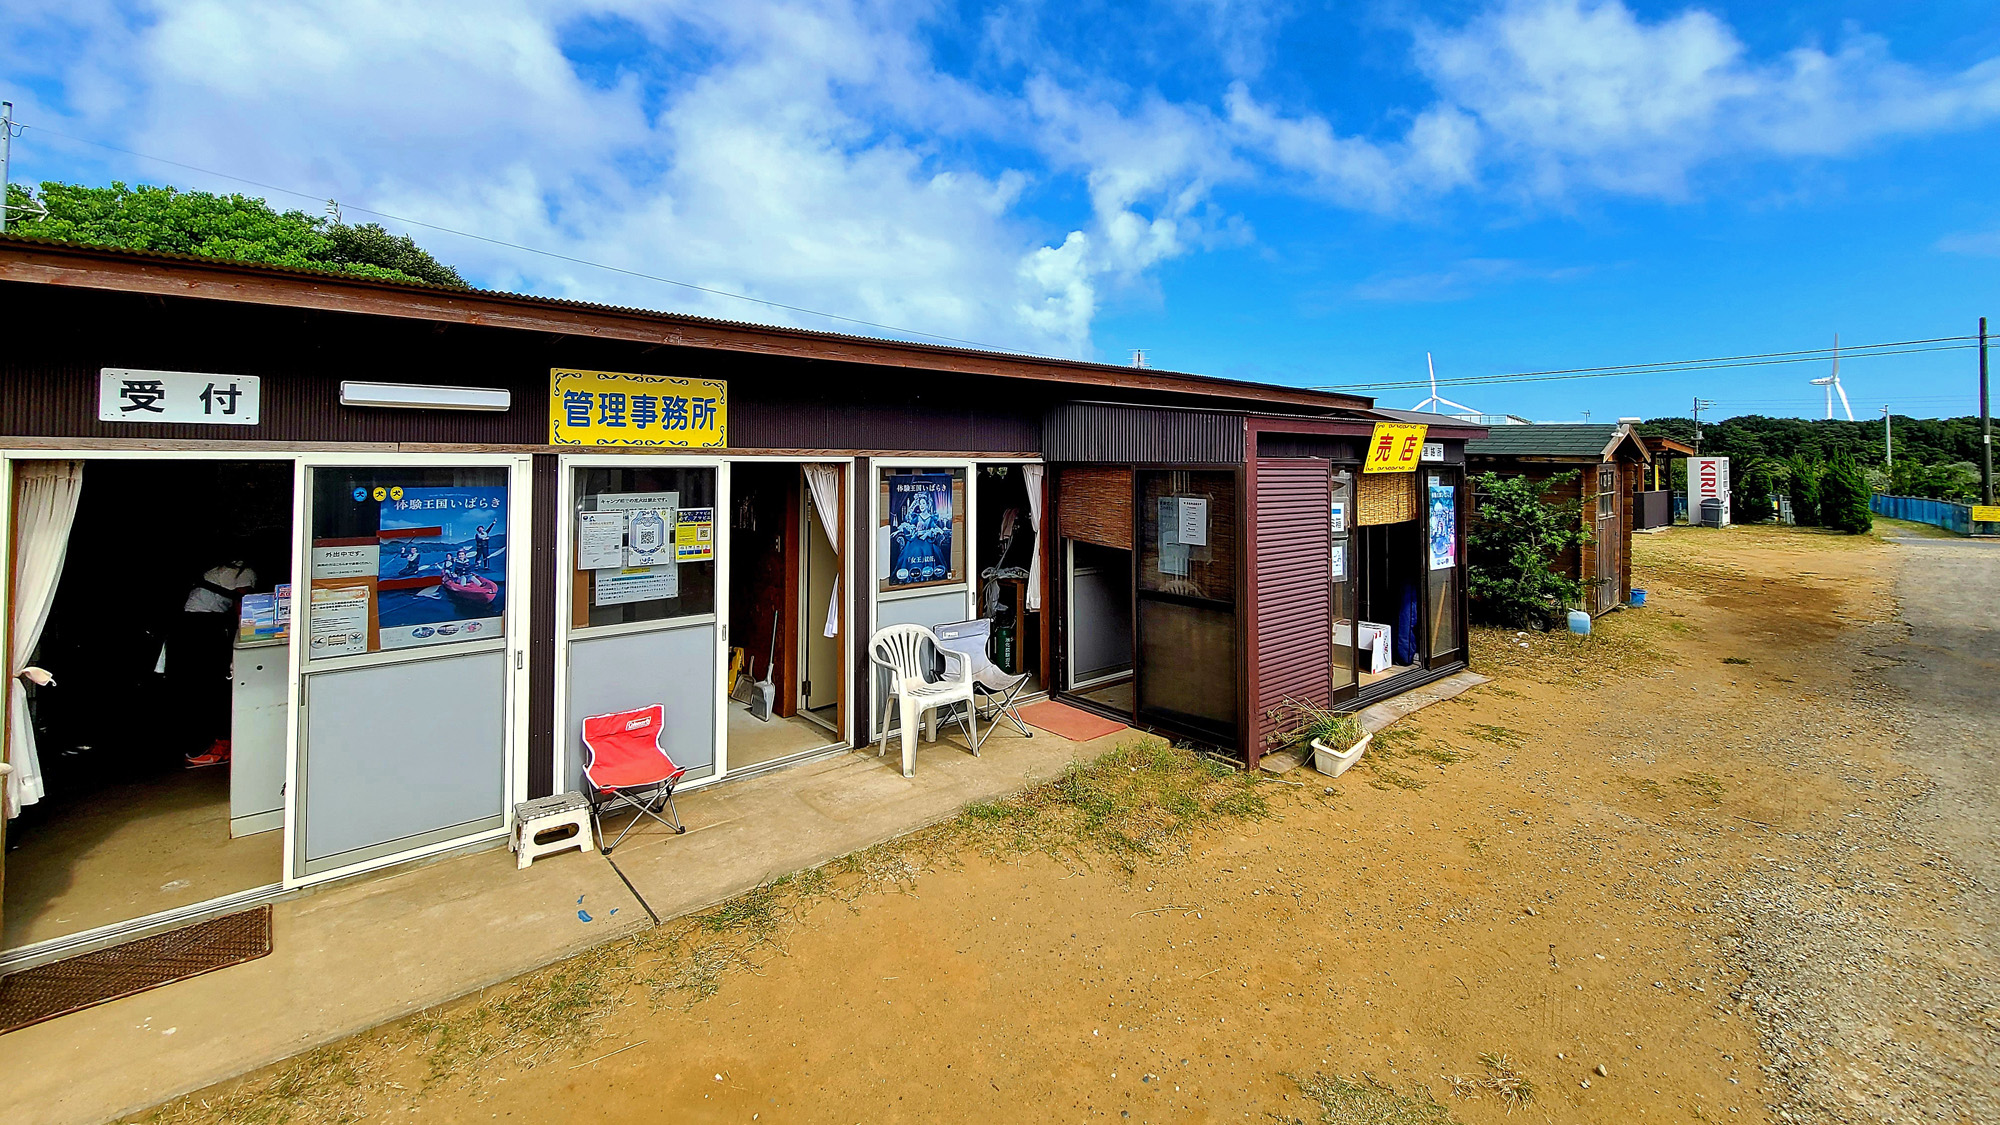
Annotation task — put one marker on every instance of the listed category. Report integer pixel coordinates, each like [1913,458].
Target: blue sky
[1292,192]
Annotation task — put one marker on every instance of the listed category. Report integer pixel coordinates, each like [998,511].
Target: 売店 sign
[613,408]
[177,396]
[1395,447]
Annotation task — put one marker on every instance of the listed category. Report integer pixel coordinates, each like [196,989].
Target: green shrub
[1843,497]
[1802,486]
[1516,540]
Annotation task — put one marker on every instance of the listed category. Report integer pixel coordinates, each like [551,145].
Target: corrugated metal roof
[1195,384]
[1551,439]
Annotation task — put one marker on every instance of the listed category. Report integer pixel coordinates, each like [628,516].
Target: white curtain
[45,508]
[824,483]
[1033,475]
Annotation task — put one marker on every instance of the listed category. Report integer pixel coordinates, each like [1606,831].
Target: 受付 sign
[1395,447]
[611,408]
[177,396]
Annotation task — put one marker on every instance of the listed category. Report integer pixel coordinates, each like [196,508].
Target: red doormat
[1069,722]
[74,983]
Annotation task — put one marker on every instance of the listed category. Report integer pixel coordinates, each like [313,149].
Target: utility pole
[1888,441]
[1700,404]
[6,145]
[1985,423]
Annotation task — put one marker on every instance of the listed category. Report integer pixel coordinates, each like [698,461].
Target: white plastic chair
[900,650]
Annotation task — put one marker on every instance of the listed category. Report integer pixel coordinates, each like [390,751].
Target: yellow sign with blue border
[616,408]
[1395,447]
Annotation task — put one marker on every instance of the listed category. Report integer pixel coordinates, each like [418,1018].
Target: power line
[1668,367]
[529,249]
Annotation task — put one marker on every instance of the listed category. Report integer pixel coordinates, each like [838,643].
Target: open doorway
[161,742]
[1390,641]
[784,698]
[1100,624]
[1005,545]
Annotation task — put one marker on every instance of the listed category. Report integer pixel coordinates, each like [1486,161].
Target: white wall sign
[177,396]
[1708,479]
[1433,451]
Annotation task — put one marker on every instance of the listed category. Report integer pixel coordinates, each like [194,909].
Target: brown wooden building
[1610,463]
[495,514]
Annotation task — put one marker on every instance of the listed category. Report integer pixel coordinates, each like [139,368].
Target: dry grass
[1506,1081]
[1345,1101]
[1141,801]
[1405,756]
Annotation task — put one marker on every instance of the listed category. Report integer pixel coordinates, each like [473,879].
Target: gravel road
[1871,949]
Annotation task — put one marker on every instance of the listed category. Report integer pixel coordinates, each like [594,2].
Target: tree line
[237,227]
[1935,458]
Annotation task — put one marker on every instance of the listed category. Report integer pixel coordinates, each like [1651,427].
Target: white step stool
[532,818]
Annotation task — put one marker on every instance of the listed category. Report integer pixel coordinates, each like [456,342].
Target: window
[406,558]
[1607,492]
[1443,560]
[920,528]
[643,545]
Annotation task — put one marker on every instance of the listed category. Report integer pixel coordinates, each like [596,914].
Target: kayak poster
[443,570]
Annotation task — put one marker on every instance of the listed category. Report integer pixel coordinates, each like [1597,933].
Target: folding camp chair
[993,690]
[626,766]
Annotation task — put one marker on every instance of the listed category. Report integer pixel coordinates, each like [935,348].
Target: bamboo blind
[1095,506]
[1385,498]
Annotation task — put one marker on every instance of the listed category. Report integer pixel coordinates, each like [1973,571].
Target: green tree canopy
[1514,549]
[236,227]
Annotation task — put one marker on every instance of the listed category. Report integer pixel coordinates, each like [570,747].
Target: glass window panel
[1342,516]
[1187,664]
[1188,533]
[406,558]
[643,544]
[1442,561]
[920,528]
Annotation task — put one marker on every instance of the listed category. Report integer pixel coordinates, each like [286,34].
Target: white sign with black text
[177,396]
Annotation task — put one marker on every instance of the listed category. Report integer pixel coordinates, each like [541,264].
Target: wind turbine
[1437,399]
[1832,384]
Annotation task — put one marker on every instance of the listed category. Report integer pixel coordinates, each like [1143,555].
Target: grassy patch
[1644,786]
[1706,785]
[1498,736]
[1345,1101]
[1506,1081]
[1401,757]
[1734,660]
[1141,801]
[1619,645]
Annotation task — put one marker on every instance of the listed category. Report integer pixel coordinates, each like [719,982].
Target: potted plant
[1335,739]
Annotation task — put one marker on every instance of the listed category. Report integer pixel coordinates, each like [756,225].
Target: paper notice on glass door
[600,540]
[338,620]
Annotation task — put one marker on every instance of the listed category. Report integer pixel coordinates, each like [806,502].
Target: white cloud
[1583,93]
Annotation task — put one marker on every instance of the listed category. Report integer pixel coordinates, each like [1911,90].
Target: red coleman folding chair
[627,768]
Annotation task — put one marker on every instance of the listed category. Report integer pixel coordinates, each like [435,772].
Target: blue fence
[1937,513]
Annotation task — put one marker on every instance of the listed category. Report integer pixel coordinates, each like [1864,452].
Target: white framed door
[629,636]
[896,600]
[407,716]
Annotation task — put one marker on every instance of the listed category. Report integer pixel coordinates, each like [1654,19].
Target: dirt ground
[1556,873]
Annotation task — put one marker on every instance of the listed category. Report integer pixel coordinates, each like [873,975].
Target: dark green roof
[1546,440]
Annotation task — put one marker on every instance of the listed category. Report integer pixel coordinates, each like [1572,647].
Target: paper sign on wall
[1339,516]
[1173,552]
[636,584]
[340,558]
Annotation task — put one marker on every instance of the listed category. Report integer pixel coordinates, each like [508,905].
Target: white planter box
[1333,762]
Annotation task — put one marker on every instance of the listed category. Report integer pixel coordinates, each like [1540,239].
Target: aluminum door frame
[566,464]
[520,574]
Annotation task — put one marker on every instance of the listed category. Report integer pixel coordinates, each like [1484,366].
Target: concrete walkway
[356,955]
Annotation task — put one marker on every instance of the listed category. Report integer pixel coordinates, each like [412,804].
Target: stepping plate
[75,983]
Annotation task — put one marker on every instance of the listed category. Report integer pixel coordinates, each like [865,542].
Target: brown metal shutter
[1096,506]
[1294,597]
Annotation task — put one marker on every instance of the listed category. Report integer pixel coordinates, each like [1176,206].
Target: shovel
[766,690]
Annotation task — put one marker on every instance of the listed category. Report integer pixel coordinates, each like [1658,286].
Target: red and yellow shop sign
[1395,447]
[613,408]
